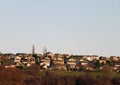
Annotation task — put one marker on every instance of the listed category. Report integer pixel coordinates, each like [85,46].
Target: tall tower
[33,49]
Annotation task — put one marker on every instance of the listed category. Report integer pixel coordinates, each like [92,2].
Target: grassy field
[73,73]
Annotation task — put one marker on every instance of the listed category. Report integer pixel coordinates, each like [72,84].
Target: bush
[116,81]
[15,76]
[12,76]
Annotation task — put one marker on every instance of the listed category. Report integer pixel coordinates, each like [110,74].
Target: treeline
[32,77]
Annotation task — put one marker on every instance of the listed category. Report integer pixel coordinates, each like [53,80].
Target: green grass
[73,73]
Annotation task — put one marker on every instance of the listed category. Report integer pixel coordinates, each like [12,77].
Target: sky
[83,27]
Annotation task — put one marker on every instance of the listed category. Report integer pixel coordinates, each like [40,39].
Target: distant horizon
[40,52]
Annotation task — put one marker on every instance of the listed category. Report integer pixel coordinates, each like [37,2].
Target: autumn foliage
[16,76]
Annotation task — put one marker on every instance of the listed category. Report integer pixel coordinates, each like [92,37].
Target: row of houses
[88,62]
[60,61]
[17,60]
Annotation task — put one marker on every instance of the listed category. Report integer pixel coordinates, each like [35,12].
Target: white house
[17,59]
[91,57]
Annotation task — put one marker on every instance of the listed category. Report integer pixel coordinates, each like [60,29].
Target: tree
[37,58]
[97,64]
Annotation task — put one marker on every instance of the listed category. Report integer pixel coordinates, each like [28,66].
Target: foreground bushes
[32,77]
[12,76]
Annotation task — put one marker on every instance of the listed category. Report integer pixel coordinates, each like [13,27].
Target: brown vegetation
[31,76]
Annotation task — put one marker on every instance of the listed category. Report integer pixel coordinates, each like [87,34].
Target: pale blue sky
[63,26]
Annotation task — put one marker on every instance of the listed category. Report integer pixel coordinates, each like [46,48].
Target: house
[66,55]
[89,68]
[10,64]
[83,63]
[19,64]
[59,64]
[45,63]
[17,59]
[49,54]
[32,60]
[28,65]
[21,54]
[28,59]
[8,55]
[58,57]
[76,57]
[103,58]
[72,60]
[71,64]
[102,61]
[91,57]
[114,58]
